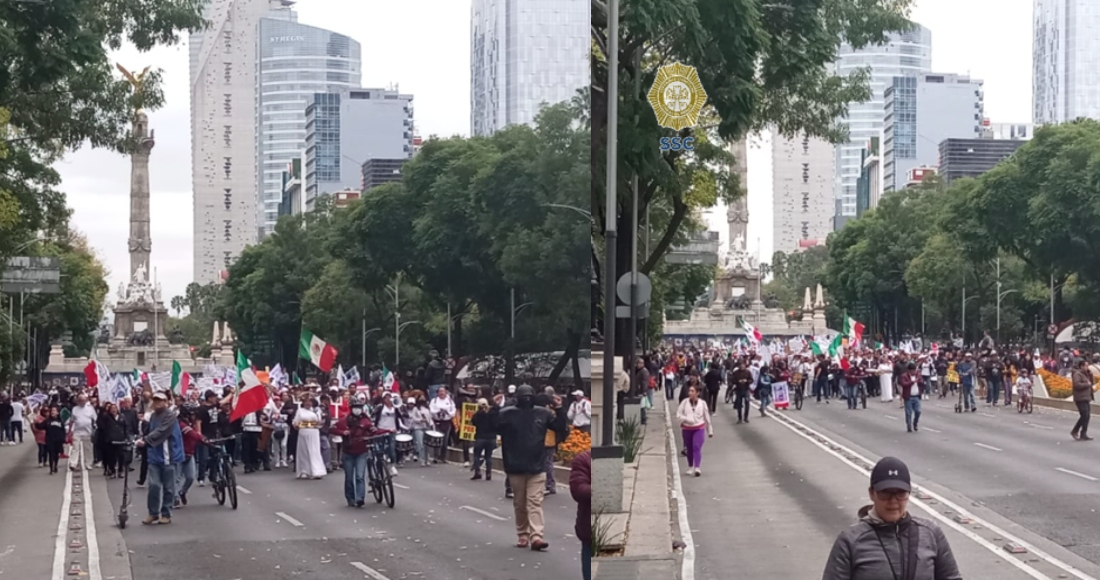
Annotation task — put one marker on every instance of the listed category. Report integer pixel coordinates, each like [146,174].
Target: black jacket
[485,423]
[523,435]
[436,374]
[110,428]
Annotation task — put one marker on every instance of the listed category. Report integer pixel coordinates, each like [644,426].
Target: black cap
[890,473]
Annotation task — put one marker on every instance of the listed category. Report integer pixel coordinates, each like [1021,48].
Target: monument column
[737,214]
[140,242]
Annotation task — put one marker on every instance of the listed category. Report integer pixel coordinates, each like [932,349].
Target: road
[443,527]
[775,493]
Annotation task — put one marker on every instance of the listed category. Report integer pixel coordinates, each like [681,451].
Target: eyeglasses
[889,494]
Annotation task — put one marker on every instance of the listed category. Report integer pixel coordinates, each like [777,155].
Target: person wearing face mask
[889,542]
[355,429]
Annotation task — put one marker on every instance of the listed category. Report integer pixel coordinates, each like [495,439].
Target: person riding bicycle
[356,429]
[1023,385]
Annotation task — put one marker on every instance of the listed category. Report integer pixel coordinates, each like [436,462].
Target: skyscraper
[251,72]
[1065,60]
[904,53]
[921,111]
[524,54]
[802,192]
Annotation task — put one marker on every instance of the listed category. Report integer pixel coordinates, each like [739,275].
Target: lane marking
[932,430]
[368,570]
[399,486]
[91,538]
[687,564]
[243,490]
[1081,475]
[891,417]
[59,547]
[990,447]
[789,423]
[987,415]
[1038,426]
[289,519]
[483,512]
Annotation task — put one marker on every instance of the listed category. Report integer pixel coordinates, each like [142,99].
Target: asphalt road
[772,497]
[443,527]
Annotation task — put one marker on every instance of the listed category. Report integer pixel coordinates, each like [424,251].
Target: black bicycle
[126,447]
[799,395]
[378,474]
[222,478]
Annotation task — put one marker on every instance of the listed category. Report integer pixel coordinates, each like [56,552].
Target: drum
[433,439]
[404,443]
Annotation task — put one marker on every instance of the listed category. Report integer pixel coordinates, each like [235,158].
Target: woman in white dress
[309,462]
[886,379]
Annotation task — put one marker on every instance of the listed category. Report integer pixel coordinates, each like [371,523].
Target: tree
[762,66]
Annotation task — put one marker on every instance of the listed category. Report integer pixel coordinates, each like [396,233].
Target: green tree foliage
[793,273]
[762,65]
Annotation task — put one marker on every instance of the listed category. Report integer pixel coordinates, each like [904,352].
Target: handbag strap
[911,557]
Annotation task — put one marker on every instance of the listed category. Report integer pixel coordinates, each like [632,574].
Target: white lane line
[289,519]
[687,564]
[932,430]
[828,447]
[368,570]
[990,447]
[59,546]
[92,539]
[891,417]
[243,490]
[1038,426]
[483,512]
[1081,475]
[987,415]
[399,486]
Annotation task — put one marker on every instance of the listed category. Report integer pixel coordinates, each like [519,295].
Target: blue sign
[677,143]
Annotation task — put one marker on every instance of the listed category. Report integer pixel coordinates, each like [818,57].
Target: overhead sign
[31,276]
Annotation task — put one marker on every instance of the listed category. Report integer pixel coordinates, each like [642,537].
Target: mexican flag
[139,377]
[853,329]
[96,373]
[751,331]
[389,380]
[836,351]
[317,351]
[181,381]
[252,395]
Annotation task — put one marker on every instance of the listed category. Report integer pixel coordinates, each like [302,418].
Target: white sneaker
[698,472]
[393,471]
[466,464]
[202,484]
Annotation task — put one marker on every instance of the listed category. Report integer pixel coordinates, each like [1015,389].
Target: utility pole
[611,225]
[448,328]
[964,317]
[363,359]
[998,300]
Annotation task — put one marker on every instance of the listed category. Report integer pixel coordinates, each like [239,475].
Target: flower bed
[1059,387]
[578,442]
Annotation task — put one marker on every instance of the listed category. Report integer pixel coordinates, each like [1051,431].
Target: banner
[781,397]
[466,429]
[119,388]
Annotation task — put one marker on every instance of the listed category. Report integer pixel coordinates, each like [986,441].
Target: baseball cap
[578,393]
[160,395]
[890,473]
[511,389]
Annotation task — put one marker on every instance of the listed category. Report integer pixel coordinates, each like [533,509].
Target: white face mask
[357,411]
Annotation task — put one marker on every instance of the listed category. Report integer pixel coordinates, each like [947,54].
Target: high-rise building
[1065,71]
[525,54]
[223,131]
[802,192]
[961,158]
[379,171]
[1022,131]
[296,62]
[904,53]
[921,111]
[346,129]
[869,184]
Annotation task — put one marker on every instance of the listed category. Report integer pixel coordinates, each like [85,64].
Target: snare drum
[404,443]
[433,439]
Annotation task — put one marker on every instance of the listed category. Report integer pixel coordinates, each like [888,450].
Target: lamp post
[610,222]
[395,291]
[964,301]
[366,333]
[397,345]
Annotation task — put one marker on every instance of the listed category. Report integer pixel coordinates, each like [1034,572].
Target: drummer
[420,422]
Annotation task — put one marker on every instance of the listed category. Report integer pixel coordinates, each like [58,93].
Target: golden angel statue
[137,81]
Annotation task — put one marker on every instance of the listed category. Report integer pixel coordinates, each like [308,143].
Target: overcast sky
[421,45]
[989,39]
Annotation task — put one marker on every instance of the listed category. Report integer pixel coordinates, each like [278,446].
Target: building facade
[920,111]
[961,158]
[869,184]
[296,62]
[377,171]
[802,192]
[903,54]
[1065,60]
[347,129]
[1023,131]
[292,202]
[525,54]
[223,131]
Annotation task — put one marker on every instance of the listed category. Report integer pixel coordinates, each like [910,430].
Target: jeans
[912,412]
[355,472]
[445,428]
[670,388]
[968,397]
[741,403]
[278,449]
[994,394]
[821,388]
[202,461]
[765,400]
[5,430]
[250,450]
[586,561]
[186,475]
[483,451]
[1084,408]
[418,441]
[162,489]
[850,394]
[548,454]
[389,444]
[693,442]
[15,428]
[43,455]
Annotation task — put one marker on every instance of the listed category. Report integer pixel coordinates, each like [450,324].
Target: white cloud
[421,45]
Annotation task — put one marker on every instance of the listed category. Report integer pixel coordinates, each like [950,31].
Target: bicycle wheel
[219,485]
[1030,406]
[231,487]
[122,517]
[798,399]
[863,398]
[376,480]
[387,487]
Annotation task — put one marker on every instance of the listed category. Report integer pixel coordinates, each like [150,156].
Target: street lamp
[397,345]
[581,211]
[366,333]
[516,310]
[964,301]
[395,291]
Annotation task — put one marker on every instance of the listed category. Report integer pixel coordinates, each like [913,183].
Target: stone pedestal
[607,461]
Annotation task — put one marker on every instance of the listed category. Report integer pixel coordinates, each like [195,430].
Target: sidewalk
[648,525]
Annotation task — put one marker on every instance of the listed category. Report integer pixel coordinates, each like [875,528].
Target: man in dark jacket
[713,382]
[165,451]
[436,373]
[887,528]
[580,487]
[485,437]
[1082,397]
[741,383]
[523,434]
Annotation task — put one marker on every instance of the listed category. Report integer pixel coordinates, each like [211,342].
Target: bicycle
[861,392]
[1023,401]
[127,447]
[799,395]
[378,477]
[222,478]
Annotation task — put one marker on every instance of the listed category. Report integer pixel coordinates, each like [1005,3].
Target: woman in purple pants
[694,420]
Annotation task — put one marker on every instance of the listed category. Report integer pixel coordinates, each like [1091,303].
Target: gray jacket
[911,549]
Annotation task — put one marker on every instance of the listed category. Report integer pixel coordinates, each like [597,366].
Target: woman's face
[54,413]
[693,394]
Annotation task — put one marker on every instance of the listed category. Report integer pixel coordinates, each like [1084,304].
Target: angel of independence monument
[137,339]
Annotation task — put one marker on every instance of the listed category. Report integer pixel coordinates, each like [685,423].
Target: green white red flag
[853,329]
[181,381]
[751,331]
[251,396]
[317,351]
